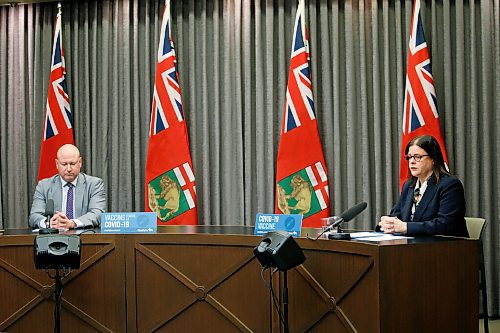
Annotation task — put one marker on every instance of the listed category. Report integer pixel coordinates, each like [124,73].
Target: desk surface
[246,231]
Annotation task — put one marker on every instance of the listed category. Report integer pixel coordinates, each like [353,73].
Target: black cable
[273,294]
[58,295]
[268,286]
[58,290]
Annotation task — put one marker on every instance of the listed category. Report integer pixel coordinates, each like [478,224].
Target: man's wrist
[77,223]
[42,224]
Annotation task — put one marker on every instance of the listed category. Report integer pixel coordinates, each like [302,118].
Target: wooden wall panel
[211,282]
[213,279]
[93,297]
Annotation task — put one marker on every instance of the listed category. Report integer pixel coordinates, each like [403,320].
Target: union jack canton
[58,111]
[420,95]
[167,92]
[299,94]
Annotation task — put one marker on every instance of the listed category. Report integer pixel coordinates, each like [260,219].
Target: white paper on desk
[381,237]
[364,234]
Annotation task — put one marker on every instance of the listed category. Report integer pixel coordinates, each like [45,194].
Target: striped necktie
[69,201]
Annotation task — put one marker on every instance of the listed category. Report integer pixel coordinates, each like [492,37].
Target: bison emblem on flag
[304,192]
[172,193]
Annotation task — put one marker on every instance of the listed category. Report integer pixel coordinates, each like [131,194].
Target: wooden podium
[205,279]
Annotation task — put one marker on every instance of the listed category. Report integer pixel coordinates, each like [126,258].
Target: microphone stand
[48,230]
[58,296]
[335,224]
[58,290]
[285,301]
[339,235]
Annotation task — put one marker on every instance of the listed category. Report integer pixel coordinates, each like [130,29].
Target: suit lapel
[56,194]
[79,194]
[426,199]
[406,211]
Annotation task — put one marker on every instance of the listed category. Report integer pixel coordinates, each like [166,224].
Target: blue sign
[291,223]
[128,223]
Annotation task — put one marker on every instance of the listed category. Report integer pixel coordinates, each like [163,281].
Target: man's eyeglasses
[416,157]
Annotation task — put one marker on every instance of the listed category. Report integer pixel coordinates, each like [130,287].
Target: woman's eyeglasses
[416,157]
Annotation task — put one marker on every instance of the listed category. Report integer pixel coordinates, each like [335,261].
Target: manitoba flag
[170,181]
[58,119]
[302,182]
[420,107]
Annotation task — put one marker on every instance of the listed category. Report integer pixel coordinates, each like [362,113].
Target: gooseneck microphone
[346,217]
[49,212]
[349,214]
[49,208]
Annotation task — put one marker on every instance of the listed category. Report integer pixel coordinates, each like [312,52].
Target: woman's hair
[432,148]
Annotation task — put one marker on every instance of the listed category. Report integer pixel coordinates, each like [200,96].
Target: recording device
[346,216]
[57,252]
[62,254]
[279,249]
[49,212]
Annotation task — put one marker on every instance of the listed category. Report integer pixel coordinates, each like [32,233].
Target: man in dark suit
[79,199]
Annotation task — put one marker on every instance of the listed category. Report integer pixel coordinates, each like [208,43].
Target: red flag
[58,119]
[170,183]
[301,174]
[420,109]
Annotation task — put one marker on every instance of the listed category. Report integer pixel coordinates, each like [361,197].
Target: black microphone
[49,212]
[49,208]
[346,216]
[350,213]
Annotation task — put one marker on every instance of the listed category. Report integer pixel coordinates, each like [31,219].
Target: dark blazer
[441,210]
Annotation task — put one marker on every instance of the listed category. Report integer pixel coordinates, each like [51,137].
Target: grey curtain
[233,60]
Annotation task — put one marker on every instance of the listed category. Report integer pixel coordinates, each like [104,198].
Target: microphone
[49,208]
[49,212]
[349,214]
[346,216]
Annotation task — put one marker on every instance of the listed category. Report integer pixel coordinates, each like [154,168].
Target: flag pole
[59,11]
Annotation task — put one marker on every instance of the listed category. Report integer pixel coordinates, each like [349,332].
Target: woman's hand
[391,224]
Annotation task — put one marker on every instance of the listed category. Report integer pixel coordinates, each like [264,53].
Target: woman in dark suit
[432,201]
